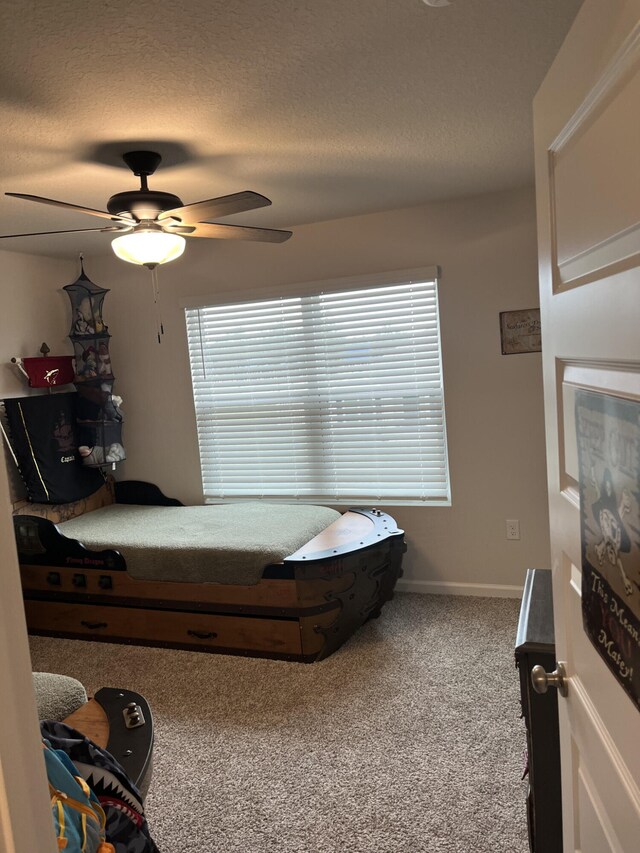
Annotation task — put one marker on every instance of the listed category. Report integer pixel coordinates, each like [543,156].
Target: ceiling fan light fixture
[148,247]
[156,220]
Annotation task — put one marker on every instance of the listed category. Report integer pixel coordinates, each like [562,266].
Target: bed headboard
[57,513]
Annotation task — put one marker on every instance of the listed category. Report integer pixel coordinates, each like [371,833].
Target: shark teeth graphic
[133,816]
[105,784]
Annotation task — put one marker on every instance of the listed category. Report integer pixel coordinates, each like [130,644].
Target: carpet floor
[407,740]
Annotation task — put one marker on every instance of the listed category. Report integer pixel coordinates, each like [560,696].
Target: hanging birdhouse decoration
[98,414]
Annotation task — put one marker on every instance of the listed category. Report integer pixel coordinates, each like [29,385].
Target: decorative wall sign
[520,331]
[608,434]
[47,371]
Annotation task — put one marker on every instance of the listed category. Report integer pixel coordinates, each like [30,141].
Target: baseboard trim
[486,590]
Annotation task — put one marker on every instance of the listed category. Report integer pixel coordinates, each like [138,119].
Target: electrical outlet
[513,528]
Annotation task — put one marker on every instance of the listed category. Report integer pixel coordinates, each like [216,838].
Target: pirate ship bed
[90,571]
[302,607]
[122,562]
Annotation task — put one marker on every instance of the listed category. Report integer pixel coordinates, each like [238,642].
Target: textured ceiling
[330,107]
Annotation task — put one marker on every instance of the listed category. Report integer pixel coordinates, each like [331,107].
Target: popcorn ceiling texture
[407,740]
[330,108]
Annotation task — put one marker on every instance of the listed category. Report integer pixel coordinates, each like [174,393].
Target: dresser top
[535,625]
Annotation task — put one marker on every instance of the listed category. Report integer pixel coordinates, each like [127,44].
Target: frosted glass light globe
[148,248]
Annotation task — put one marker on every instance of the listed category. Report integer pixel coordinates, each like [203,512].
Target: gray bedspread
[228,543]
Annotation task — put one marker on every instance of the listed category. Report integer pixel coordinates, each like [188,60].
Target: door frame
[25,813]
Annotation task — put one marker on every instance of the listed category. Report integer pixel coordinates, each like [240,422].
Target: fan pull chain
[156,302]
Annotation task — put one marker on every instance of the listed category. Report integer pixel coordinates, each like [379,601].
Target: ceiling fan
[152,225]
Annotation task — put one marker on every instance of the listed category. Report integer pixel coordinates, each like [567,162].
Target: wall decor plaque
[608,434]
[520,331]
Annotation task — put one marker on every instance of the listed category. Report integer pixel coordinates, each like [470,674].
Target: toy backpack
[78,817]
[126,826]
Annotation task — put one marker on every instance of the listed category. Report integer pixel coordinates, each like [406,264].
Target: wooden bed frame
[302,609]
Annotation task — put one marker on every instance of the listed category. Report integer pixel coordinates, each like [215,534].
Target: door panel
[587,128]
[594,176]
[589,212]
[569,461]
[597,834]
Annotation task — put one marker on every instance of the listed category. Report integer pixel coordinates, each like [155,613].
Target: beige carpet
[407,740]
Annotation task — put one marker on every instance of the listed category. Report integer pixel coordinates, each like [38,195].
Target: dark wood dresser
[535,644]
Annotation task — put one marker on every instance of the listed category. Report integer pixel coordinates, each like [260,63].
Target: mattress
[227,543]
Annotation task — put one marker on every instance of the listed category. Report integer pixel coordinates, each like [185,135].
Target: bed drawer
[203,630]
[277,594]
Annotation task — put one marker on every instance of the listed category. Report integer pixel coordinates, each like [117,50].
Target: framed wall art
[608,434]
[520,331]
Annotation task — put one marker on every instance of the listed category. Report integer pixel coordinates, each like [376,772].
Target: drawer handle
[94,625]
[203,635]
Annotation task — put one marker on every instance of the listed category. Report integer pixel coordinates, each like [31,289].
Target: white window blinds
[333,398]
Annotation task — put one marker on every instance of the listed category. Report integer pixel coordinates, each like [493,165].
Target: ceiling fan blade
[239,232]
[114,228]
[212,208]
[174,228]
[90,210]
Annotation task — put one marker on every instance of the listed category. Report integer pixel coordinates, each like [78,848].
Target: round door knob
[543,680]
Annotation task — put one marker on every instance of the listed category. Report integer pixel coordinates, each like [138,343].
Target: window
[331,398]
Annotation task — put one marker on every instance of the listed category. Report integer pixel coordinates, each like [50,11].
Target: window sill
[324,500]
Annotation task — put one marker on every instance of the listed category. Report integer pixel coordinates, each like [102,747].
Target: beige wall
[486,247]
[32,310]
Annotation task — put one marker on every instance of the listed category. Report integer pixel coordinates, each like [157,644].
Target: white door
[587,130]
[25,813]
